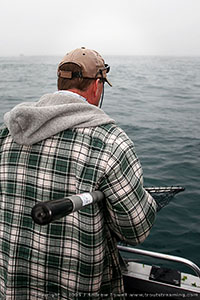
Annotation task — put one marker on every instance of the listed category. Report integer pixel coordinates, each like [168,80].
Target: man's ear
[96,86]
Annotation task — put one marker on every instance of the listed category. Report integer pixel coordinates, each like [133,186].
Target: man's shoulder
[116,134]
[108,134]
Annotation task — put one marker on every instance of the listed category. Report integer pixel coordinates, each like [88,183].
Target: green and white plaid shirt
[75,257]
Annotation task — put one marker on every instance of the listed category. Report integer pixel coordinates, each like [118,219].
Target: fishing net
[163,195]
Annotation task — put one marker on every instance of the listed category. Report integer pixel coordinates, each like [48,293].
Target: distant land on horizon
[21,55]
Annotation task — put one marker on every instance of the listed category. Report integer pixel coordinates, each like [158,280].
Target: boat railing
[157,255]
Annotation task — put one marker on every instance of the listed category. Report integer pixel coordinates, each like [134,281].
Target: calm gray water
[156,100]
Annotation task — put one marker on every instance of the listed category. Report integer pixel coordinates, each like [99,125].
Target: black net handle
[44,213]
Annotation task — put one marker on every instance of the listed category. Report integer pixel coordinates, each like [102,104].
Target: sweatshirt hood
[32,122]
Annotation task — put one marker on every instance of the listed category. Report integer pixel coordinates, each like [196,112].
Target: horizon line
[60,55]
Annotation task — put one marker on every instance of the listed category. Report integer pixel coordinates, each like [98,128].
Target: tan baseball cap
[91,63]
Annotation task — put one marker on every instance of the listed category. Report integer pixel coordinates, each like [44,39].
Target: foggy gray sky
[132,27]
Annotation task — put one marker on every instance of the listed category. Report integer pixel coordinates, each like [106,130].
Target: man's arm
[131,210]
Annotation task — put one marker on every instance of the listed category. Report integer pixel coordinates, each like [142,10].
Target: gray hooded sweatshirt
[32,122]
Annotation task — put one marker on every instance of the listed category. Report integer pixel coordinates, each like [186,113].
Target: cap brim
[106,79]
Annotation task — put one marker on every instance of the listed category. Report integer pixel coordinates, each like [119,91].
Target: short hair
[70,83]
